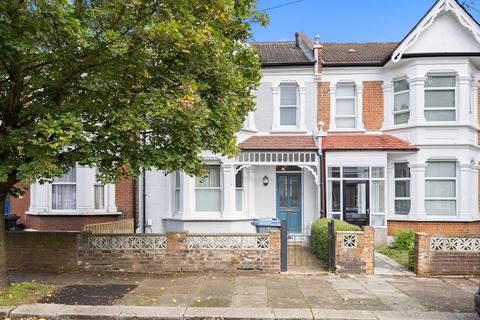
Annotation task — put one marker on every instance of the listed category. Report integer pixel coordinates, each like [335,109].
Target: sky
[345,20]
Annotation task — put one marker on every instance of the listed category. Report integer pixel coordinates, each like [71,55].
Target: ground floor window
[239,190]
[440,188]
[99,193]
[64,191]
[402,188]
[177,191]
[208,190]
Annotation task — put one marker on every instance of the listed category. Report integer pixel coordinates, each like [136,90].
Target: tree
[81,80]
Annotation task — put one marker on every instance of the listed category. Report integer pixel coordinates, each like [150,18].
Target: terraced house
[379,134]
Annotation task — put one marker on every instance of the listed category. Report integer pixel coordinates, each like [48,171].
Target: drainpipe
[134,205]
[144,198]
[324,184]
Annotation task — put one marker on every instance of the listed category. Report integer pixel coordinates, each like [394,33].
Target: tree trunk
[3,254]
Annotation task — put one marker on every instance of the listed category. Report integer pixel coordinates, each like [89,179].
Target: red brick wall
[124,197]
[20,205]
[358,259]
[323,103]
[372,105]
[435,228]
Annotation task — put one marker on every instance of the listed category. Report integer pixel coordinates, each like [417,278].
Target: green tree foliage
[80,80]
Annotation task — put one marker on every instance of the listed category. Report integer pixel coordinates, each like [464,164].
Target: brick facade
[452,262]
[358,257]
[372,105]
[323,103]
[452,228]
[123,201]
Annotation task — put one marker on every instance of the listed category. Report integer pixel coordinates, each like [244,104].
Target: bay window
[440,98]
[440,188]
[208,190]
[345,114]
[64,191]
[401,97]
[288,105]
[402,188]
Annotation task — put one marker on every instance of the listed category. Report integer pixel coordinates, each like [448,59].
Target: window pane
[401,85]
[70,176]
[402,189]
[99,197]
[440,115]
[177,200]
[402,206]
[208,200]
[402,170]
[441,169]
[177,179]
[239,200]
[288,95]
[378,220]
[378,196]
[294,192]
[283,188]
[346,107]
[378,172]
[355,172]
[64,197]
[401,118]
[212,180]
[440,81]
[239,179]
[288,116]
[334,172]
[334,203]
[401,101]
[345,122]
[440,99]
[345,91]
[440,207]
[440,188]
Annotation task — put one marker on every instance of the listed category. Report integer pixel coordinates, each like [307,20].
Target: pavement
[386,266]
[247,295]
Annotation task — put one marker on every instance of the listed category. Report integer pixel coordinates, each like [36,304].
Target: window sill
[288,130]
[73,213]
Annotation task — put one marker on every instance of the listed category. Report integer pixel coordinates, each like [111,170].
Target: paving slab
[5,311]
[46,311]
[467,316]
[332,314]
[151,313]
[229,314]
[89,312]
[405,315]
[293,314]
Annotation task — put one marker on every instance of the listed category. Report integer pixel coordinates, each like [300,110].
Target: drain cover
[94,295]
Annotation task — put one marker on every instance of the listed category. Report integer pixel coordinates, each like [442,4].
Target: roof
[279,142]
[357,53]
[282,53]
[362,141]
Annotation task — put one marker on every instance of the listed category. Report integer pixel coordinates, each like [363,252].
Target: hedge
[319,236]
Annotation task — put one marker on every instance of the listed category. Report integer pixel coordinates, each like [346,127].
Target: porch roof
[363,141]
[279,142]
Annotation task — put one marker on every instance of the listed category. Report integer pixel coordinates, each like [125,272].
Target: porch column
[390,183]
[359,125]
[249,185]
[464,106]
[229,207]
[417,191]
[276,107]
[85,180]
[474,189]
[464,195]
[251,121]
[187,194]
[110,190]
[388,102]
[417,100]
[302,109]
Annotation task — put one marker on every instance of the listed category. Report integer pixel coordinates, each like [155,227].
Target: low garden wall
[354,251]
[67,251]
[446,255]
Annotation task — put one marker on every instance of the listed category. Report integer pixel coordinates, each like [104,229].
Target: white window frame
[454,88]
[296,106]
[220,188]
[176,195]
[395,198]
[395,94]
[241,190]
[54,183]
[454,179]
[95,184]
[370,192]
[355,105]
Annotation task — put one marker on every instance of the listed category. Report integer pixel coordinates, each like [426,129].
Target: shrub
[404,239]
[319,236]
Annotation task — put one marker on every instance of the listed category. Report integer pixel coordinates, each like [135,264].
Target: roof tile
[279,142]
[364,141]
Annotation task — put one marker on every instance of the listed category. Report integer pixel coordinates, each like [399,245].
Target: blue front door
[289,206]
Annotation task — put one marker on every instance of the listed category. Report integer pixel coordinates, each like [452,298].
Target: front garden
[402,249]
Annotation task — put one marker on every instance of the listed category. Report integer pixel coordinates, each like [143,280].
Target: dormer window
[345,114]
[440,98]
[401,104]
[288,105]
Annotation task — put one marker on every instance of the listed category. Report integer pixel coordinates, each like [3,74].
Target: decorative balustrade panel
[454,244]
[228,242]
[133,242]
[307,158]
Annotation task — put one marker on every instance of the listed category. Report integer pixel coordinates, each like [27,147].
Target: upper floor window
[440,188]
[440,98]
[401,96]
[208,190]
[402,188]
[64,191]
[345,106]
[288,105]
